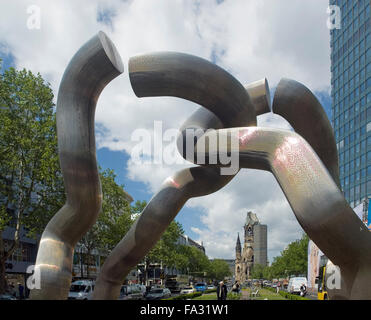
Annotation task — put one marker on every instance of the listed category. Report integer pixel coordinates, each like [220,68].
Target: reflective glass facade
[351,97]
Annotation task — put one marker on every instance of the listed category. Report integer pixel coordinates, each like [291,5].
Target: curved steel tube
[90,70]
[260,95]
[314,197]
[299,106]
[204,119]
[194,79]
[150,77]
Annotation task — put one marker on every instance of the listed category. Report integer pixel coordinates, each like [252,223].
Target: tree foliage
[218,269]
[115,219]
[292,261]
[165,251]
[31,185]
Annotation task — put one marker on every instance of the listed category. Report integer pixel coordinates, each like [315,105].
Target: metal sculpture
[90,70]
[304,163]
[154,75]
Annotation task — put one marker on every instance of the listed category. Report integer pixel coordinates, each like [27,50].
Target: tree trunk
[3,281]
[81,264]
[88,263]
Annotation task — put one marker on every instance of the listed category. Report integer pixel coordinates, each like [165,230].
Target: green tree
[192,261]
[165,250]
[218,269]
[257,271]
[113,221]
[293,259]
[31,186]
[31,183]
[115,218]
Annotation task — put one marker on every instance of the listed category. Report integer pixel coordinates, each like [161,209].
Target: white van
[296,283]
[81,290]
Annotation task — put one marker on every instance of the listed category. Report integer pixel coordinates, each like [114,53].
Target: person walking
[13,291]
[20,291]
[303,290]
[236,287]
[221,291]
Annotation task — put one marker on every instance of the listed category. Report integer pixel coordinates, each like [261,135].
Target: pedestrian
[278,286]
[20,291]
[221,291]
[236,287]
[303,290]
[13,292]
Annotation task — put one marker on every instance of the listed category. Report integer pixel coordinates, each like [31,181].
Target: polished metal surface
[260,95]
[195,79]
[314,197]
[304,163]
[298,105]
[150,76]
[203,119]
[94,65]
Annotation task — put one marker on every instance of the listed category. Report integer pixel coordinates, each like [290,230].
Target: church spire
[238,246]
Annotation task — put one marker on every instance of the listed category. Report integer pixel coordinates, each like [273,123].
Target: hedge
[210,291]
[233,296]
[186,296]
[286,295]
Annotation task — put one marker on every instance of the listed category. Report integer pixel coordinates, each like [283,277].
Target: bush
[233,296]
[186,296]
[287,295]
[209,291]
[291,296]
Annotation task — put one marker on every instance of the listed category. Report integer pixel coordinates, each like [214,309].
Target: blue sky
[250,39]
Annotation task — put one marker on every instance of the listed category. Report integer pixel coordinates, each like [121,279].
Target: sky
[251,39]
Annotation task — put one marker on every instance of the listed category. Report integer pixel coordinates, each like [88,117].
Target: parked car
[211,287]
[142,288]
[187,290]
[200,286]
[295,284]
[131,292]
[7,297]
[173,285]
[267,283]
[81,290]
[158,293]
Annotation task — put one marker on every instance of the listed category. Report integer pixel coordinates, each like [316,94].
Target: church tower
[238,248]
[254,249]
[248,251]
[238,262]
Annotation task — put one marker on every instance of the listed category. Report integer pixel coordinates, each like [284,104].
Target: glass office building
[351,97]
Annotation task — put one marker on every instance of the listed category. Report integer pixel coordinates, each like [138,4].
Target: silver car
[158,293]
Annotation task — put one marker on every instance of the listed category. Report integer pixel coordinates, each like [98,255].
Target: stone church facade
[254,249]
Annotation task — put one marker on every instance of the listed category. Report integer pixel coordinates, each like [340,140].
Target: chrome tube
[93,66]
[315,199]
[260,96]
[299,106]
[194,79]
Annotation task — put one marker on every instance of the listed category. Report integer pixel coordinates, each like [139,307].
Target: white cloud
[251,39]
